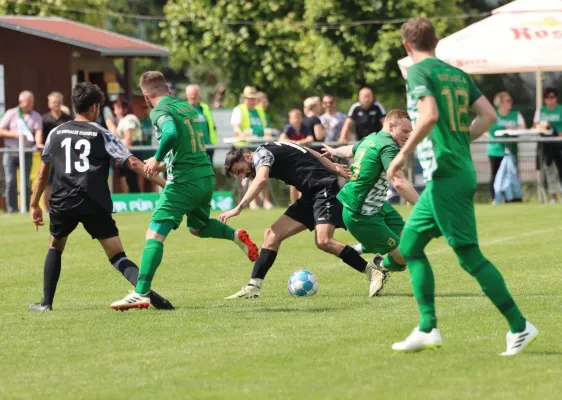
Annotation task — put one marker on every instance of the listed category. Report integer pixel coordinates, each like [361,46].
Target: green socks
[218,230]
[391,264]
[492,284]
[412,247]
[151,259]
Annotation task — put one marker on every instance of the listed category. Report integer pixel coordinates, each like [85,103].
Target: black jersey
[294,165]
[80,153]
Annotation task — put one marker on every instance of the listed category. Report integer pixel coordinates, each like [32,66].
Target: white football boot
[377,275]
[247,292]
[516,342]
[132,300]
[418,341]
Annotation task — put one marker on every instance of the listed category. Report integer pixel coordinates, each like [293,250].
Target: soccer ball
[303,283]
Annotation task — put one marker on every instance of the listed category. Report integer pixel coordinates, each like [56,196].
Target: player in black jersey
[80,152]
[318,209]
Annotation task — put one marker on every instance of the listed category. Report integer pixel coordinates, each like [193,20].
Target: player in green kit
[188,191]
[443,96]
[366,214]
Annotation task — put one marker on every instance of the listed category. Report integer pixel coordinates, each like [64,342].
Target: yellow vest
[209,117]
[245,124]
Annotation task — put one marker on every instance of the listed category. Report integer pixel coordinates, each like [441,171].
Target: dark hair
[550,90]
[85,95]
[234,155]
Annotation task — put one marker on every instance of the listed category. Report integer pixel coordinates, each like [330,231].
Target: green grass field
[335,345]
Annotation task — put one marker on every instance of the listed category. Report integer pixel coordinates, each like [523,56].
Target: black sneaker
[38,307]
[159,302]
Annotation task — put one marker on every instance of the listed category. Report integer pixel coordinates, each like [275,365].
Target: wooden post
[129,80]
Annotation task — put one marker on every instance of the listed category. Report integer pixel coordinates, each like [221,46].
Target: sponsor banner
[139,202]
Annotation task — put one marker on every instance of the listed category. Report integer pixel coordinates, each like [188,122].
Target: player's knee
[324,243]
[409,244]
[270,238]
[194,232]
[150,234]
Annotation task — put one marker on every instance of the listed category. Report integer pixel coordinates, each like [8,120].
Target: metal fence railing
[527,159]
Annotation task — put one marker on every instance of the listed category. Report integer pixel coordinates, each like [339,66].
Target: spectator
[507,119]
[550,117]
[19,121]
[332,119]
[51,120]
[109,120]
[263,104]
[247,122]
[129,131]
[367,115]
[312,112]
[218,98]
[205,117]
[296,132]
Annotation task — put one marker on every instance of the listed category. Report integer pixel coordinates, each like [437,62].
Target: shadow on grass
[544,353]
[438,295]
[288,310]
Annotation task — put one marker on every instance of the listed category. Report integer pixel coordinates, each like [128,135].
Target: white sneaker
[377,276]
[247,292]
[418,341]
[242,239]
[132,300]
[268,206]
[516,342]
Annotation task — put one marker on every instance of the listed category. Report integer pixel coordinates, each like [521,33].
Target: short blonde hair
[499,97]
[311,102]
[395,115]
[153,83]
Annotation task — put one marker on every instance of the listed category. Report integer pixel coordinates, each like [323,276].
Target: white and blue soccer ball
[303,283]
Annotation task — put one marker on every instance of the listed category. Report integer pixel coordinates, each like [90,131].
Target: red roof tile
[85,36]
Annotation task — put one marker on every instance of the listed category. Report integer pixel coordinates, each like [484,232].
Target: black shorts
[321,207]
[98,222]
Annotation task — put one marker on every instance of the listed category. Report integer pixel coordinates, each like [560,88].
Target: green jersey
[365,193]
[204,124]
[553,116]
[188,159]
[512,120]
[446,150]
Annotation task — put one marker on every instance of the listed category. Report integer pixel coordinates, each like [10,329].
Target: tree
[294,48]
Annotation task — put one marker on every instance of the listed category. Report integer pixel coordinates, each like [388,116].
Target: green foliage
[292,48]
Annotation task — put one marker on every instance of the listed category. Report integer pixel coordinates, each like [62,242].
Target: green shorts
[446,207]
[191,198]
[379,233]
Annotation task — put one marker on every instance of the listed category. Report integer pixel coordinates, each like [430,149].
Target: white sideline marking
[500,239]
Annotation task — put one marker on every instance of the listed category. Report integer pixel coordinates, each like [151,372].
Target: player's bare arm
[41,182]
[139,167]
[341,152]
[485,117]
[429,115]
[404,187]
[9,134]
[338,169]
[257,185]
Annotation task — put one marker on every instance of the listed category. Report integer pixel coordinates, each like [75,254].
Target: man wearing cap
[247,120]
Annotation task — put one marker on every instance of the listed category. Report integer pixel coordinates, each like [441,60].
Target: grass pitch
[335,345]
